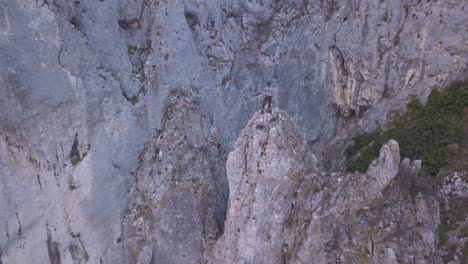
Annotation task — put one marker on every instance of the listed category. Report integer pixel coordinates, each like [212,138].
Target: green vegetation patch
[465,253]
[443,232]
[424,132]
[464,232]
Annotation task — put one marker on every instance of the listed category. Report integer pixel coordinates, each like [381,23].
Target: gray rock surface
[282,210]
[454,226]
[69,138]
[176,206]
[381,216]
[85,84]
[266,170]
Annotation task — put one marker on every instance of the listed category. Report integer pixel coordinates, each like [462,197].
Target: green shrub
[361,163]
[443,232]
[423,132]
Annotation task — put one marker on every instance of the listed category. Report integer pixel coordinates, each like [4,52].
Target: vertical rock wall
[84,85]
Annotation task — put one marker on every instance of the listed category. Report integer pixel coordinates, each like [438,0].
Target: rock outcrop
[266,170]
[177,205]
[282,210]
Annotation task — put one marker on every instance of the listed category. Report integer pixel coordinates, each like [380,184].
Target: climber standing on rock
[267,92]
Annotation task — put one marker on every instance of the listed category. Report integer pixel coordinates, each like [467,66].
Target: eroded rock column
[176,209]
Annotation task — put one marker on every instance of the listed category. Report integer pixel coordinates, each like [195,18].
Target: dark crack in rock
[53,249]
[74,152]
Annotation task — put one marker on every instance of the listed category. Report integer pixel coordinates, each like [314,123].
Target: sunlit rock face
[85,84]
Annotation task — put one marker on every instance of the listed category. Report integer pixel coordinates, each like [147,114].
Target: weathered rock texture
[281,210]
[176,208]
[85,83]
[266,171]
[454,226]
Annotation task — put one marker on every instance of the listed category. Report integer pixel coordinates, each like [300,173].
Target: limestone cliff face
[282,210]
[86,83]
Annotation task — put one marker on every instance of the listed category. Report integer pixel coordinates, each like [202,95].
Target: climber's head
[268,83]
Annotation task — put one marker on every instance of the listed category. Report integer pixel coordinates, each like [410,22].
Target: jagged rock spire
[266,170]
